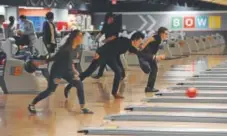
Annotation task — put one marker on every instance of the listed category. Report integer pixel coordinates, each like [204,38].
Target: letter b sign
[176,22]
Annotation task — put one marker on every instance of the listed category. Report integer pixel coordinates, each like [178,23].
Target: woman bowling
[62,68]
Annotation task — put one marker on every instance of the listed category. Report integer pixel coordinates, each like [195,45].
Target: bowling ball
[191,92]
[30,67]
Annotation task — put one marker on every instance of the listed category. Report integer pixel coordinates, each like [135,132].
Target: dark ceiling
[154,5]
[122,5]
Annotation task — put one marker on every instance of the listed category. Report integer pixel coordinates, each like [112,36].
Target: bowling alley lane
[181,125]
[59,118]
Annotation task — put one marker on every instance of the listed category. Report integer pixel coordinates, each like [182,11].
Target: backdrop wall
[194,23]
[185,21]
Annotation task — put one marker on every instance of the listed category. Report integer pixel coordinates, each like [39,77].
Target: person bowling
[62,68]
[148,61]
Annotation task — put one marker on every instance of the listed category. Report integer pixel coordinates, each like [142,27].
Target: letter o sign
[189,22]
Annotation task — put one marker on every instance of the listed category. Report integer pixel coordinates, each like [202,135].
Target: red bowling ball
[191,92]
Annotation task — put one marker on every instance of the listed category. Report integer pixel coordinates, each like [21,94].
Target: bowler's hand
[96,56]
[160,57]
[57,80]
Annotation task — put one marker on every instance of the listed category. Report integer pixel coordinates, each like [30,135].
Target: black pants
[78,67]
[113,64]
[103,66]
[149,66]
[69,77]
[45,73]
[101,70]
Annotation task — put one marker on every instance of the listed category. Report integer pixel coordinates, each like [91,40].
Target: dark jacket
[121,46]
[47,33]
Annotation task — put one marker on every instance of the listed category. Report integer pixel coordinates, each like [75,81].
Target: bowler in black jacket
[108,54]
[49,33]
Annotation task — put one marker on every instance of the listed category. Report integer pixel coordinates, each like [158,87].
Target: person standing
[20,40]
[63,68]
[111,29]
[49,39]
[11,29]
[148,61]
[29,30]
[49,33]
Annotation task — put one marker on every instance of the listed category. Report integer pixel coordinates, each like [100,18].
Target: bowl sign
[196,22]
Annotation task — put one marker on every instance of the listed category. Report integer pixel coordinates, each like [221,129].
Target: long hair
[69,42]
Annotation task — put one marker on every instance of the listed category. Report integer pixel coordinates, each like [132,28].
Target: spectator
[11,29]
[29,30]
[49,33]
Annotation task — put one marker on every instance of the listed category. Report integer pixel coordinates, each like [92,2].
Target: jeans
[103,66]
[52,87]
[149,66]
[78,67]
[113,64]
[118,59]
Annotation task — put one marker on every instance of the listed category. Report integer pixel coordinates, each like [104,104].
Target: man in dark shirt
[49,33]
[111,29]
[108,54]
[148,61]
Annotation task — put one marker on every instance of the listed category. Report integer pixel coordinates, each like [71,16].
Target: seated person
[21,40]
